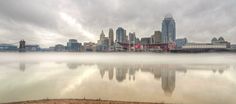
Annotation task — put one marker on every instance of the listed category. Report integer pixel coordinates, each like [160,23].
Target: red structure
[149,47]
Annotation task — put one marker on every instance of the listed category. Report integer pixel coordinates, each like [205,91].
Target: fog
[207,78]
[144,58]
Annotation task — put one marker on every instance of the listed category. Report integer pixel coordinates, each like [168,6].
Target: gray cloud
[54,21]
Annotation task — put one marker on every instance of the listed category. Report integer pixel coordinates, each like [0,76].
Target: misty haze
[118,51]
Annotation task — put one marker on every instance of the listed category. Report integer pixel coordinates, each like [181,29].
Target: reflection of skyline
[72,66]
[22,67]
[165,72]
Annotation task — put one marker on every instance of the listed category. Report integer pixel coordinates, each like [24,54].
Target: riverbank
[77,101]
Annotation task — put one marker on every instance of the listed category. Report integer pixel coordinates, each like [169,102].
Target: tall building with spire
[168,30]
[102,35]
[103,43]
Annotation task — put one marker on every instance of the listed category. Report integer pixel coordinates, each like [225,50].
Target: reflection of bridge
[148,47]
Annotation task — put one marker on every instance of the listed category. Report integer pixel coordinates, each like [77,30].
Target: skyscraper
[120,35]
[168,30]
[111,37]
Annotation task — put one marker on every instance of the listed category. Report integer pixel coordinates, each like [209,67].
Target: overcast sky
[48,22]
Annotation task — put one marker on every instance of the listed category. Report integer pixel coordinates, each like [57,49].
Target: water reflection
[188,79]
[166,73]
[163,77]
[72,66]
[22,67]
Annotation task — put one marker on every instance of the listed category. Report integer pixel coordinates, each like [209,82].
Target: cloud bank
[48,22]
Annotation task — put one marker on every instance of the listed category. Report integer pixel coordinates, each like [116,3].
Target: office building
[89,47]
[156,37]
[132,38]
[168,33]
[146,41]
[121,35]
[111,39]
[73,45]
[60,48]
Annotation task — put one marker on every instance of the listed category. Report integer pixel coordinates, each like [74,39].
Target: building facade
[103,43]
[60,48]
[204,46]
[132,38]
[73,45]
[180,42]
[146,41]
[111,39]
[32,48]
[168,33]
[89,47]
[221,41]
[156,37]
[120,35]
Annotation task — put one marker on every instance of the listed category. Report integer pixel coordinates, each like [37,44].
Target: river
[206,78]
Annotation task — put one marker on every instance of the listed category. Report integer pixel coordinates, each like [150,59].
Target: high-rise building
[73,45]
[156,37]
[103,43]
[120,35]
[168,30]
[102,35]
[111,37]
[132,38]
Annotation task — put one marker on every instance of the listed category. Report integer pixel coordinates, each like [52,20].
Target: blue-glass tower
[168,30]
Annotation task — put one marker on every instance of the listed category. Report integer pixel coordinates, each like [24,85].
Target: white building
[204,46]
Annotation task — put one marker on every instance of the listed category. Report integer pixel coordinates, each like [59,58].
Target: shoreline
[78,101]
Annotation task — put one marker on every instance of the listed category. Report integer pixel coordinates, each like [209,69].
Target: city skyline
[51,22]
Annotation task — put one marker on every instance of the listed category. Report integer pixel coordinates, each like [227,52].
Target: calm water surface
[171,78]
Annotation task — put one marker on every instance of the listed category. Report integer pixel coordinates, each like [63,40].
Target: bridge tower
[22,46]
